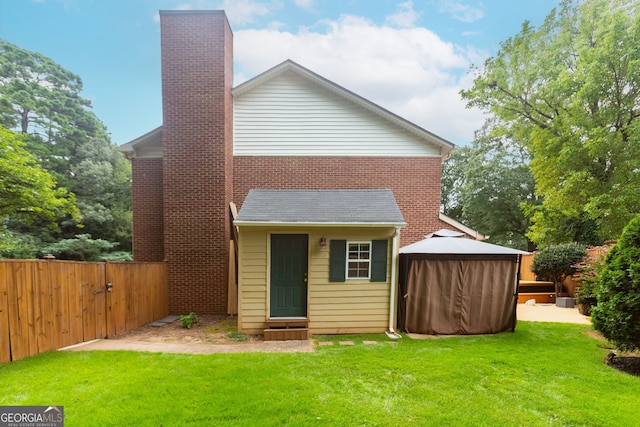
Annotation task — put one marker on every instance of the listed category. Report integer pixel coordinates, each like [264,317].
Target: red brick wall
[197,67]
[200,176]
[415,182]
[148,225]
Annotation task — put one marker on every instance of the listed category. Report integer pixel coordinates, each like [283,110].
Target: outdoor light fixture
[323,243]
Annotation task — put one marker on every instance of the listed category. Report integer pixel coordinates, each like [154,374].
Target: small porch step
[286,329]
[286,334]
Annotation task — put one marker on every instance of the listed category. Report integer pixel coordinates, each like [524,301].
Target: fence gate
[46,305]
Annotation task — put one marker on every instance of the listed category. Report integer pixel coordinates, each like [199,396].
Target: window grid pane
[358,260]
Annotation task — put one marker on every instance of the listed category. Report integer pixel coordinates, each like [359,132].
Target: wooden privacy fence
[570,282]
[525,267]
[46,305]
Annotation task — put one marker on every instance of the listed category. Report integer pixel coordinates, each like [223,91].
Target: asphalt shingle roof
[321,206]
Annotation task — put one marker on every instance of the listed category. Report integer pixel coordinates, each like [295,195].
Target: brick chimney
[197,72]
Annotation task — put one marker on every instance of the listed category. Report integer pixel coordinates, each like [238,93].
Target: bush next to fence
[558,262]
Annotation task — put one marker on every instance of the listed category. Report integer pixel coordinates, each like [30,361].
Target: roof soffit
[148,140]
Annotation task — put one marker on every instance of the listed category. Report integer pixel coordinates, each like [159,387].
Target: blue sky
[411,57]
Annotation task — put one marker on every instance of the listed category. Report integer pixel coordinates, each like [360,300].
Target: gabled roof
[445,146]
[353,208]
[151,142]
[447,242]
[150,139]
[460,226]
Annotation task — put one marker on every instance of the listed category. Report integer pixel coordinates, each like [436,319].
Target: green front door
[288,275]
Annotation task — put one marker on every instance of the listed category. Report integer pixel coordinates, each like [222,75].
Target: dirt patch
[595,334]
[211,334]
[209,329]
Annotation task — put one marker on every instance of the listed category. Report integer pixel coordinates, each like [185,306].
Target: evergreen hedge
[617,314]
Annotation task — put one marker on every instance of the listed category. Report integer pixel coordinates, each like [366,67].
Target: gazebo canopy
[451,242]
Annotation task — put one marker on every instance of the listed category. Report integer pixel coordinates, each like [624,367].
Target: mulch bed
[626,364]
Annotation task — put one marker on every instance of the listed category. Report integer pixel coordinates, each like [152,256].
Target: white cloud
[183,6]
[275,25]
[404,16]
[305,4]
[410,71]
[239,12]
[242,12]
[461,11]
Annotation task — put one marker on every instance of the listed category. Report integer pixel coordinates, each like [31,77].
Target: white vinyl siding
[290,115]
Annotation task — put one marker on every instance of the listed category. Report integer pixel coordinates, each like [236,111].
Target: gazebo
[451,285]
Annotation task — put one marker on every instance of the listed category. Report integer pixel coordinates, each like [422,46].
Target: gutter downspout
[391,333]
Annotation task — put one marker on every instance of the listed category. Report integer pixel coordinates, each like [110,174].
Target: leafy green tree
[103,190]
[484,186]
[558,262]
[17,246]
[499,182]
[569,92]
[617,314]
[453,180]
[26,189]
[28,194]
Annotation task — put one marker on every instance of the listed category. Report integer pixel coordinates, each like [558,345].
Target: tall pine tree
[43,101]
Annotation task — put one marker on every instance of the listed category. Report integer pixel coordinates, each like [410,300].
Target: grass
[542,375]
[226,326]
[229,328]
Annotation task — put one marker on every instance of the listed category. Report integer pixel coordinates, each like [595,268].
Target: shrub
[17,246]
[617,315]
[188,320]
[117,256]
[237,336]
[588,277]
[558,261]
[82,248]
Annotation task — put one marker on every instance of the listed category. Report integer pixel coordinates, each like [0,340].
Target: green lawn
[543,374]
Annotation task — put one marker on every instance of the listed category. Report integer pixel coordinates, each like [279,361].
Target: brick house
[286,129]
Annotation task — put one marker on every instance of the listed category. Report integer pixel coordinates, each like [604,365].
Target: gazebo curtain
[460,296]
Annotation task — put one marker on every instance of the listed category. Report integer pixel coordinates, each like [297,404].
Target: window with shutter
[337,260]
[358,260]
[379,260]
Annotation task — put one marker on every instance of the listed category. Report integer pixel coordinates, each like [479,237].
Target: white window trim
[358,242]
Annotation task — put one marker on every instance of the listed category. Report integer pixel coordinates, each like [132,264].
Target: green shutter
[337,260]
[379,260]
